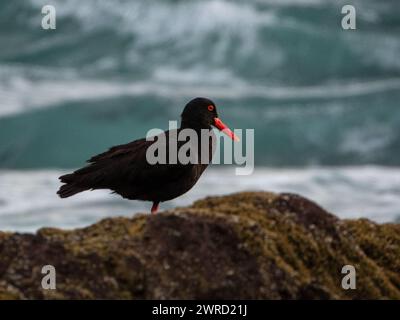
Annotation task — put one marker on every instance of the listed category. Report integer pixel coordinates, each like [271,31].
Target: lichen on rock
[250,245]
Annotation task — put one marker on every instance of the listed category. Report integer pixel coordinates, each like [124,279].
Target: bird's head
[202,113]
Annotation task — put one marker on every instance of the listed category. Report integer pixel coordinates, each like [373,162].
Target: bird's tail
[71,186]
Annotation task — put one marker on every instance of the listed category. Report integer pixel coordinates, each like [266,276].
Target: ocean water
[324,102]
[30,203]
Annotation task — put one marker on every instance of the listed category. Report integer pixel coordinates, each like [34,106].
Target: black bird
[126,170]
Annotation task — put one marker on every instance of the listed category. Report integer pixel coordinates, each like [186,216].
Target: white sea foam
[216,38]
[19,93]
[368,140]
[28,199]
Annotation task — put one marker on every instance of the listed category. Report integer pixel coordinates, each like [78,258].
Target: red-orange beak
[224,128]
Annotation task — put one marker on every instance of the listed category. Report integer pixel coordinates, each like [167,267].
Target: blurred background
[324,102]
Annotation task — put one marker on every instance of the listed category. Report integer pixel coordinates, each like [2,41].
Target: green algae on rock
[251,245]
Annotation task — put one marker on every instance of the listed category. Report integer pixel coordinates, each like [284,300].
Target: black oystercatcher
[125,169]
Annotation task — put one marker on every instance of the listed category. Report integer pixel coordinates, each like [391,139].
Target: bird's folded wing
[128,163]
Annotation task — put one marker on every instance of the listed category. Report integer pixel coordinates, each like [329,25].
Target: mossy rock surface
[252,245]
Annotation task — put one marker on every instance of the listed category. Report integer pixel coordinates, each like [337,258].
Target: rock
[251,245]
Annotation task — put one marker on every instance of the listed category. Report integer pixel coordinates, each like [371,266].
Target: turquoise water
[316,95]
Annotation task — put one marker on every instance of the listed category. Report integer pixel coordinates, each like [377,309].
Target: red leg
[154,208]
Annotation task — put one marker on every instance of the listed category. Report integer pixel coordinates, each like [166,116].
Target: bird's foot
[154,208]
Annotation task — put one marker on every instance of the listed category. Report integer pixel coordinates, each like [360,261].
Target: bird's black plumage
[125,170]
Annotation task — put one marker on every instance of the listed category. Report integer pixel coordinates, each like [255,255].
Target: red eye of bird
[210,108]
